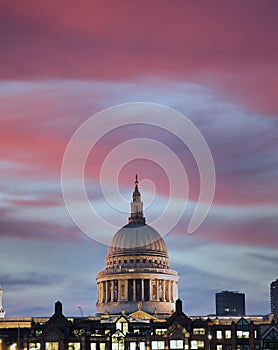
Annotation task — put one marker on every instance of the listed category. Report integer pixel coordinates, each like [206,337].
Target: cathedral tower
[137,269]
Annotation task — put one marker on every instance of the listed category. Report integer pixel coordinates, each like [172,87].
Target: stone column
[168,290]
[164,290]
[101,292]
[142,289]
[112,290]
[157,290]
[126,289]
[171,292]
[106,290]
[151,289]
[134,289]
[175,291]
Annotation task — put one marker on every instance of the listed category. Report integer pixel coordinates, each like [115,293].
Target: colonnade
[137,289]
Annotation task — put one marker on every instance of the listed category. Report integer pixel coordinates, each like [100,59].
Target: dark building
[230,303]
[274,298]
[139,331]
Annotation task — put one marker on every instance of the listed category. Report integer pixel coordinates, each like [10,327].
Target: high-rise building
[137,269]
[230,303]
[274,298]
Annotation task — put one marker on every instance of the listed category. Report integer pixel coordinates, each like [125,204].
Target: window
[228,347]
[197,344]
[218,336]
[54,345]
[117,342]
[102,346]
[176,344]
[137,260]
[242,347]
[228,334]
[34,346]
[93,346]
[160,331]
[199,331]
[132,345]
[131,261]
[122,326]
[242,334]
[74,346]
[142,345]
[157,345]
[219,347]
[255,334]
[125,261]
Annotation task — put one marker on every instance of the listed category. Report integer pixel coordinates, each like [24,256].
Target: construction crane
[80,309]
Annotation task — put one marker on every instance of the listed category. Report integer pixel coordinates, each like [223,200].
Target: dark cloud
[32,279]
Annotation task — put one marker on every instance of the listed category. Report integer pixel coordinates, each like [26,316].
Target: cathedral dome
[137,239]
[137,268]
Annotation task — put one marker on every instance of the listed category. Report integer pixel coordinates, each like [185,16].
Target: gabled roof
[141,315]
[58,325]
[179,317]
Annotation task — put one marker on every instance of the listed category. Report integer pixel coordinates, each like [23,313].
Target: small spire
[136,184]
[136,215]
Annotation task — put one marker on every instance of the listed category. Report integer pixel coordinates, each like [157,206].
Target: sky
[61,63]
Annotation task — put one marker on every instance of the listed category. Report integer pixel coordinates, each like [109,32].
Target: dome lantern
[136,215]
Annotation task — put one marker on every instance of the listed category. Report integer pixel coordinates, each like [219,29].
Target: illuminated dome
[137,239]
[137,269]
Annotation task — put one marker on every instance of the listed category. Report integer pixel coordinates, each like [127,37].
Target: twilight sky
[60,64]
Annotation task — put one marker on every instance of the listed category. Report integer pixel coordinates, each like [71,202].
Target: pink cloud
[231,46]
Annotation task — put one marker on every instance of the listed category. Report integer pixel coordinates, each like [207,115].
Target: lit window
[255,334]
[228,334]
[34,346]
[199,331]
[219,347]
[242,334]
[157,345]
[122,326]
[176,344]
[160,331]
[102,346]
[117,343]
[93,346]
[218,335]
[54,345]
[197,344]
[142,345]
[74,346]
[132,345]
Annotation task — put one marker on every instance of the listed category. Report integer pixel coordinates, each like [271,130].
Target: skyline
[60,65]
